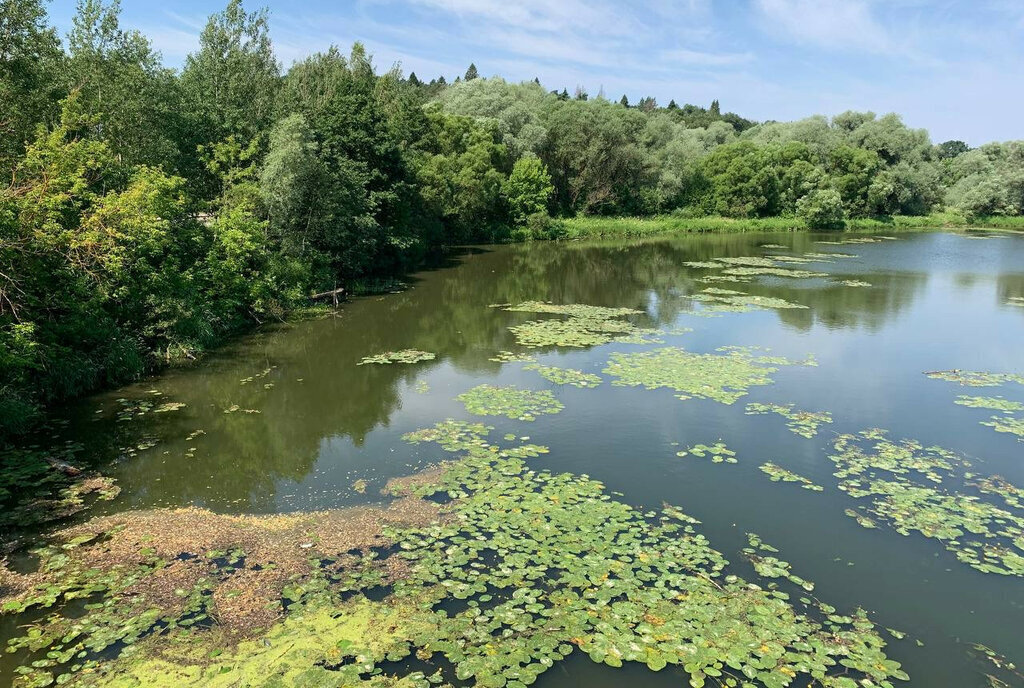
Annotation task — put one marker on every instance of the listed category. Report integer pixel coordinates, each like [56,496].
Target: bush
[822,209]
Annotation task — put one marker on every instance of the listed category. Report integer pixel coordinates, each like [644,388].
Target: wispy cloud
[830,24]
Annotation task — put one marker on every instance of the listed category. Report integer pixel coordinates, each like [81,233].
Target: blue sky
[953,67]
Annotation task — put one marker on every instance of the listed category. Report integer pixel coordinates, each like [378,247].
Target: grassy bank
[635,227]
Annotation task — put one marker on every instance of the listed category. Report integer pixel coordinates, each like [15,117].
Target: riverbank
[636,227]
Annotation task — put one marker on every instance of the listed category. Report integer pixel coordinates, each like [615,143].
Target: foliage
[403,356]
[724,378]
[512,402]
[565,376]
[803,423]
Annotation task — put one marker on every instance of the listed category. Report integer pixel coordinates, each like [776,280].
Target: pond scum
[516,571]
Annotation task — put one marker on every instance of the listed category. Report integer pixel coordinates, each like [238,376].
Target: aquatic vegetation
[512,357]
[565,376]
[772,272]
[777,473]
[979,533]
[585,326]
[39,486]
[758,553]
[853,283]
[403,356]
[1015,300]
[994,403]
[736,301]
[830,255]
[968,378]
[1014,426]
[718,452]
[803,423]
[720,377]
[131,409]
[262,374]
[775,246]
[511,402]
[711,279]
[422,387]
[519,570]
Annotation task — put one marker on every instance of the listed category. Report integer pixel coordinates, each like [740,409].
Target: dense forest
[150,212]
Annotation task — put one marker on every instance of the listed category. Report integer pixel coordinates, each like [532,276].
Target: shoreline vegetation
[667,225]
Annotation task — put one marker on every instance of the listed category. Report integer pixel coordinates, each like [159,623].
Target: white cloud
[834,24]
[705,59]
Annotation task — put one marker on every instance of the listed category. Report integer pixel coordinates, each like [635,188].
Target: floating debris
[403,356]
[803,423]
[252,378]
[360,486]
[511,402]
[853,283]
[565,376]
[777,473]
[718,452]
[723,378]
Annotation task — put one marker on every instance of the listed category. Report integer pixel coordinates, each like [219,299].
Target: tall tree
[123,84]
[31,79]
[471,73]
[232,81]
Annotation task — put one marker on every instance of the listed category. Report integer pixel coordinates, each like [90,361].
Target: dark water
[938,301]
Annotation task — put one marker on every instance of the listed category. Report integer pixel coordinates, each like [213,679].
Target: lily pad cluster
[759,554]
[718,300]
[778,473]
[803,423]
[853,283]
[907,488]
[718,452]
[511,402]
[745,267]
[969,378]
[565,376]
[722,377]
[403,356]
[585,326]
[994,403]
[512,357]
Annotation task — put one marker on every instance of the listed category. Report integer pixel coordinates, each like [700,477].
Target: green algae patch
[511,402]
[803,423]
[778,473]
[307,648]
[968,378]
[903,484]
[403,356]
[723,377]
[565,376]
[717,452]
[585,326]
[994,403]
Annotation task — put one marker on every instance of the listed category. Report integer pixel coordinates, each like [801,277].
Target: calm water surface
[937,301]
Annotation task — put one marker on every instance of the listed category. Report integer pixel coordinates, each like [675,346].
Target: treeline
[149,213]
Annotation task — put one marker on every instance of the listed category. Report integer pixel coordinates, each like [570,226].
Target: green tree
[232,81]
[822,209]
[123,83]
[471,73]
[32,77]
[528,189]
